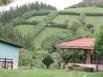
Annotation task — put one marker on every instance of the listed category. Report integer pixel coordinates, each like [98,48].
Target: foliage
[47,61]
[99,43]
[40,54]
[57,60]
[50,42]
[13,13]
[12,18]
[25,57]
[72,56]
[4,2]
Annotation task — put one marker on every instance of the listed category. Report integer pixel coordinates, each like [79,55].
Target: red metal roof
[83,43]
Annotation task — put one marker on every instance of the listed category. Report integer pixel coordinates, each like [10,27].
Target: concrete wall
[10,52]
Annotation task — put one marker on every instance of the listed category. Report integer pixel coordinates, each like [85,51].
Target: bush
[47,61]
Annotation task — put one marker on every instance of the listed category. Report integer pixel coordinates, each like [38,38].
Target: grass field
[36,18]
[86,10]
[95,20]
[27,29]
[46,73]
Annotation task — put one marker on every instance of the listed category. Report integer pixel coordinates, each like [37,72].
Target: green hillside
[59,19]
[47,32]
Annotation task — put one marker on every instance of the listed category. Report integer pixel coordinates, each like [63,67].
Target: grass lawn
[36,18]
[27,29]
[95,20]
[46,73]
[47,32]
[86,10]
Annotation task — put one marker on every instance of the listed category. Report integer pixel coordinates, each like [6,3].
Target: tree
[99,42]
[50,42]
[25,57]
[47,61]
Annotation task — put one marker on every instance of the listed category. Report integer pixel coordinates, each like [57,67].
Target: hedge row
[52,24]
[76,13]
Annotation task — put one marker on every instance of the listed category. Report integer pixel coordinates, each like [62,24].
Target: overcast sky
[59,4]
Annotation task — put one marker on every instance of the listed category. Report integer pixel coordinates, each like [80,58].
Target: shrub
[47,61]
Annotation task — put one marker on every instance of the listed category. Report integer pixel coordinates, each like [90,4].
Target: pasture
[36,18]
[86,10]
[94,20]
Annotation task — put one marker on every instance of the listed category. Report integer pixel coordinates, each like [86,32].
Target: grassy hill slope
[59,19]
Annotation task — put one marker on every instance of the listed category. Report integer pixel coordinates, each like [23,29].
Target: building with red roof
[83,43]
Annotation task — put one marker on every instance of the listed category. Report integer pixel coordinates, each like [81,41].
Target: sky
[59,4]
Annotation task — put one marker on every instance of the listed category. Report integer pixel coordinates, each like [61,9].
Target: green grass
[86,10]
[26,29]
[60,19]
[47,32]
[46,73]
[36,18]
[95,20]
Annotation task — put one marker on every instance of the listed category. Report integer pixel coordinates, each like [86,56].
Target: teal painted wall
[9,51]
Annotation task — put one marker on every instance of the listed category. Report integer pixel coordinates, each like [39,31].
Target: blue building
[9,55]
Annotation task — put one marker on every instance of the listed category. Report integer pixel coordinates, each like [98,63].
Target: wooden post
[11,64]
[89,52]
[4,62]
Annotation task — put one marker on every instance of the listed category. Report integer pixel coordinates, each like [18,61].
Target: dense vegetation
[99,43]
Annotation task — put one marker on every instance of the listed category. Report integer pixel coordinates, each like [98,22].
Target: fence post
[4,62]
[11,64]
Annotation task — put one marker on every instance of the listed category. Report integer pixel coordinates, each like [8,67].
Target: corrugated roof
[83,43]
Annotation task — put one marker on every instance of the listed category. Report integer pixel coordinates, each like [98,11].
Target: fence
[6,63]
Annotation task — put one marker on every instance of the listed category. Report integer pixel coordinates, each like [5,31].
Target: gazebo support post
[89,52]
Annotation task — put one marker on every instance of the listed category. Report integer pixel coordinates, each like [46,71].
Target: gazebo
[83,43]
